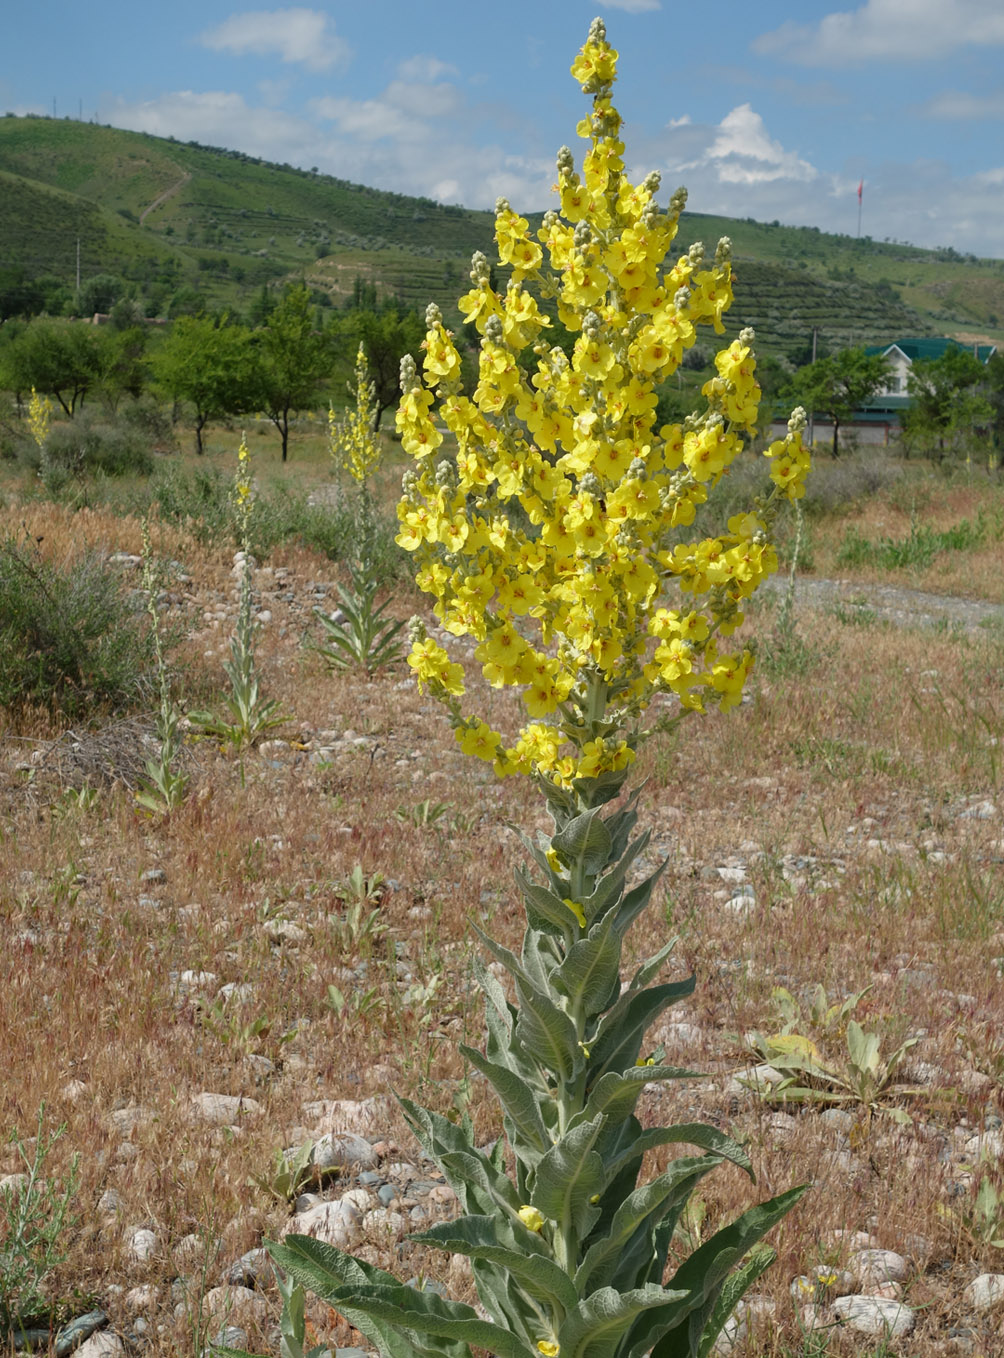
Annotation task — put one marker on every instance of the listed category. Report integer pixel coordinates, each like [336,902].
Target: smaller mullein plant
[165,784]
[363,637]
[248,715]
[39,424]
[553,530]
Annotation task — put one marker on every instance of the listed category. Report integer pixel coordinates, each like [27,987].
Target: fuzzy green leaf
[568,1176]
[704,1273]
[597,1326]
[627,1243]
[591,969]
[619,1033]
[688,1134]
[429,1314]
[734,1288]
[585,841]
[524,1258]
[544,910]
[616,1095]
[516,1098]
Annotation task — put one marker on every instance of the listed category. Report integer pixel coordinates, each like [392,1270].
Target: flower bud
[747,335]
[798,420]
[566,161]
[678,201]
[433,316]
[723,250]
[409,373]
[493,330]
[696,252]
[681,298]
[502,205]
[480,271]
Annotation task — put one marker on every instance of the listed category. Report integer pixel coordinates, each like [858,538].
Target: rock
[984,1291]
[874,1268]
[14,1184]
[141,1243]
[740,905]
[140,1298]
[196,980]
[758,1079]
[336,1223]
[343,1151]
[104,1344]
[110,1202]
[222,1109]
[382,1221]
[153,876]
[233,1302]
[251,1269]
[874,1315]
[284,931]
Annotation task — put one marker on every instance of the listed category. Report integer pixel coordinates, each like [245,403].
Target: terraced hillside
[145,208]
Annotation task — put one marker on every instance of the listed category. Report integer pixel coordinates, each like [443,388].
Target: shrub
[70,639]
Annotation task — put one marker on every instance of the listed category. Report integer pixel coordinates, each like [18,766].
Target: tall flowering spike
[556,526]
[354,444]
[39,417]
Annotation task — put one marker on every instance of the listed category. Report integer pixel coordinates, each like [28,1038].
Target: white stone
[14,1184]
[140,1298]
[103,1344]
[284,931]
[985,1291]
[196,980]
[336,1223]
[987,1145]
[342,1150]
[740,905]
[142,1244]
[222,1109]
[875,1315]
[874,1267]
[233,1302]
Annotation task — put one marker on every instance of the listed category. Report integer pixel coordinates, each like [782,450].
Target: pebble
[233,1301]
[104,1344]
[343,1151]
[335,1223]
[222,1109]
[872,1267]
[874,1315]
[984,1291]
[142,1244]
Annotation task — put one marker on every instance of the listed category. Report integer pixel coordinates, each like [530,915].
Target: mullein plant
[556,534]
[39,423]
[363,637]
[165,784]
[248,715]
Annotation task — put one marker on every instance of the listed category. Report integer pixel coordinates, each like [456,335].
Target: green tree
[836,386]
[57,358]
[950,409]
[211,365]
[386,336]
[291,361]
[121,362]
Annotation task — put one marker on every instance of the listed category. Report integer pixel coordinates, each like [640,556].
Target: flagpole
[861,185]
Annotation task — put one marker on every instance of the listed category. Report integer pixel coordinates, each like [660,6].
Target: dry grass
[841,786]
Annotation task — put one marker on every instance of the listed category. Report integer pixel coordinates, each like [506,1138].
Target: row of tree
[218,367]
[957,401]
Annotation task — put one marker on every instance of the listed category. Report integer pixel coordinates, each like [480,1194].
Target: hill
[166,215]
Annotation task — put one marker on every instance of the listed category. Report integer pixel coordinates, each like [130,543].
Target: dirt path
[162,198]
[891,603]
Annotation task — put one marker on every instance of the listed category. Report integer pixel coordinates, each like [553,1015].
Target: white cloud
[294,35]
[424,69]
[632,6]
[744,153]
[682,121]
[960,104]
[888,30]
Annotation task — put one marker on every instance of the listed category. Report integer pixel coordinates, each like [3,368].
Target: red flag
[861,186]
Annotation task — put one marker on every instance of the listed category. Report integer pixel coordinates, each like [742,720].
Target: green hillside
[165,215]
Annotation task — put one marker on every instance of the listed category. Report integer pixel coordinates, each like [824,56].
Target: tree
[121,362]
[291,360]
[57,358]
[386,336]
[950,407]
[211,365]
[836,386]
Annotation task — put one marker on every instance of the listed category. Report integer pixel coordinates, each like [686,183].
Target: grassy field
[297,934]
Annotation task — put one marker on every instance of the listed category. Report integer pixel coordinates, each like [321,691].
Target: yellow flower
[547,1347]
[577,911]
[530,1218]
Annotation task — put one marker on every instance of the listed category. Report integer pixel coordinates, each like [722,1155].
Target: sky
[768,110]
